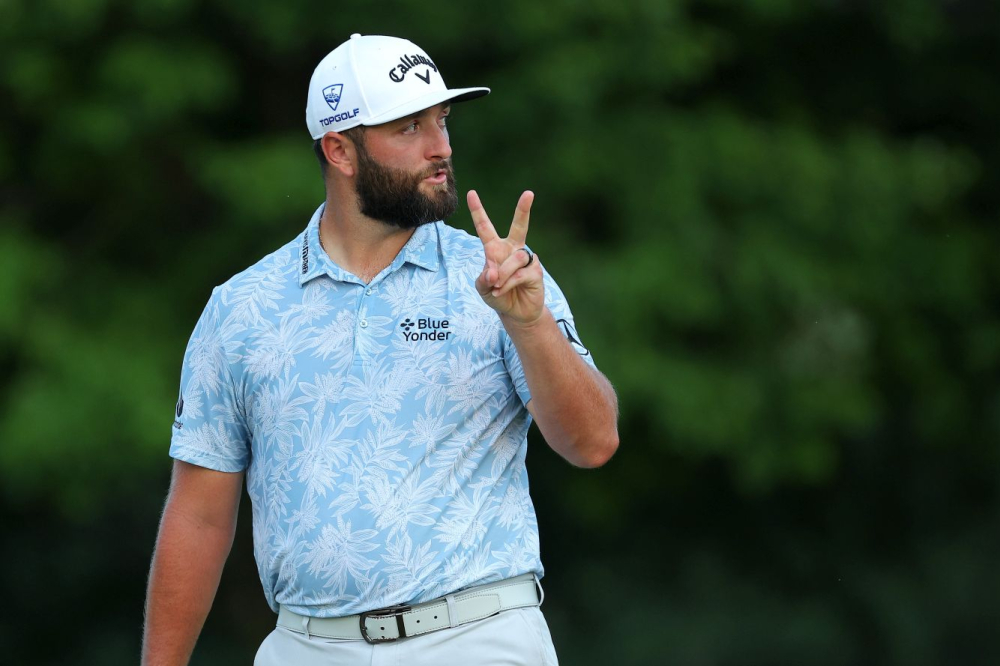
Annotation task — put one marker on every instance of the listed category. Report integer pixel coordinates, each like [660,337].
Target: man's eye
[411,128]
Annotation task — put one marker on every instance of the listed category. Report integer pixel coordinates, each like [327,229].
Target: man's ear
[340,152]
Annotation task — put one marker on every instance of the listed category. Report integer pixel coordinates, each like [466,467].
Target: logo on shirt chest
[425,329]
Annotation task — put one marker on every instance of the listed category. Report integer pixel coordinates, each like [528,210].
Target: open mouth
[438,177]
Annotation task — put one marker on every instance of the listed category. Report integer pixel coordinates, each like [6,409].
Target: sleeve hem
[207,461]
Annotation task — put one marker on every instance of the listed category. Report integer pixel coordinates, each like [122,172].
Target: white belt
[390,624]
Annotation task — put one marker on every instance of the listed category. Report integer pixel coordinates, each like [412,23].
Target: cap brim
[427,101]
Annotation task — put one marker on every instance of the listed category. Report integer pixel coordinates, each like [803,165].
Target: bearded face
[393,196]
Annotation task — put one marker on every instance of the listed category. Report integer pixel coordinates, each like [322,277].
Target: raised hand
[511,281]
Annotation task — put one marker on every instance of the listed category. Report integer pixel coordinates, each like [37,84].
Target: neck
[358,243]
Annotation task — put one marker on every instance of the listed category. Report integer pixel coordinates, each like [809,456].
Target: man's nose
[440,145]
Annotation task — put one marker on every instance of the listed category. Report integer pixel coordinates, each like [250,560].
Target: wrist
[517,327]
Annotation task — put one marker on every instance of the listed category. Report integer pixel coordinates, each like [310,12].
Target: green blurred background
[776,221]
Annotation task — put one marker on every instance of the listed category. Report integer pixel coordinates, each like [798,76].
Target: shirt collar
[421,250]
[313,260]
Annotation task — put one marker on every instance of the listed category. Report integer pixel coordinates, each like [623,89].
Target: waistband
[390,624]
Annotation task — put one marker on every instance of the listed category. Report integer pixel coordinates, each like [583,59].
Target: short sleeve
[557,305]
[209,427]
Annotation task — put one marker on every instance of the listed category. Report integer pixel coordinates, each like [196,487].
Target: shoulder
[459,248]
[257,288]
[279,266]
[453,238]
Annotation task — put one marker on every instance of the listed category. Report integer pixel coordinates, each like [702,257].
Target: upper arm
[210,429]
[203,495]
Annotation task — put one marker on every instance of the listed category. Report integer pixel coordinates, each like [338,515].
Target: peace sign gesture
[511,281]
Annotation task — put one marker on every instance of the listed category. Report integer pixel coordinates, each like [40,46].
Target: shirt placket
[362,325]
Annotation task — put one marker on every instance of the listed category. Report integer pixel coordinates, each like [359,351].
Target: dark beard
[393,196]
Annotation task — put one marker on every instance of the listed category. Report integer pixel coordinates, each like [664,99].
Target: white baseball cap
[370,80]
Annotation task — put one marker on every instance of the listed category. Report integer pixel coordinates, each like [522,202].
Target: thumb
[484,283]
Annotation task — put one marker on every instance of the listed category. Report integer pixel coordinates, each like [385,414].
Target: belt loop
[450,598]
[305,626]
[538,586]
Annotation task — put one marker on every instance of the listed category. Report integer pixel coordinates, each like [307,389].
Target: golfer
[375,379]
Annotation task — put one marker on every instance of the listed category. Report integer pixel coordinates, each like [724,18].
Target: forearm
[574,405]
[184,577]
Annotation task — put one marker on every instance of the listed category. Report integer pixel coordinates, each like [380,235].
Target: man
[376,378]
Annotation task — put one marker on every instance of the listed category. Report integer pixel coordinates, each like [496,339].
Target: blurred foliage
[775,220]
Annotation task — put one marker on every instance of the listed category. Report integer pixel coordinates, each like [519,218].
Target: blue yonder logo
[425,328]
[332,94]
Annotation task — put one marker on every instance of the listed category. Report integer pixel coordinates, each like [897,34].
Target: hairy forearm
[187,564]
[574,405]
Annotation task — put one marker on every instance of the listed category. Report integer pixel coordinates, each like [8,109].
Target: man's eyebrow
[413,116]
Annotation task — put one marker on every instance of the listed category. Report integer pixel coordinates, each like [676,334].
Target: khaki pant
[517,637]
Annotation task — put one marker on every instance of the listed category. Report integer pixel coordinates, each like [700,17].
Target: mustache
[443,165]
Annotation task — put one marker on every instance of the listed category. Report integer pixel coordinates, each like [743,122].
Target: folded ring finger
[511,264]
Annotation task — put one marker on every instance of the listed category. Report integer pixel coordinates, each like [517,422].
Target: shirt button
[368,291]
[364,323]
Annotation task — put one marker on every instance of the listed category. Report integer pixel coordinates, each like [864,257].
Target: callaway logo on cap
[370,80]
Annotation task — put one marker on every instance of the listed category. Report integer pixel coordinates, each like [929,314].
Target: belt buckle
[392,611]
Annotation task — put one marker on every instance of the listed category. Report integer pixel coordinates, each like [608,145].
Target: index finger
[519,227]
[484,228]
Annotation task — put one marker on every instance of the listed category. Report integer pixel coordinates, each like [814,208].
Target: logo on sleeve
[425,329]
[178,411]
[574,339]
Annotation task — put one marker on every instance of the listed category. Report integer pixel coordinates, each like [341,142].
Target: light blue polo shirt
[382,426]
